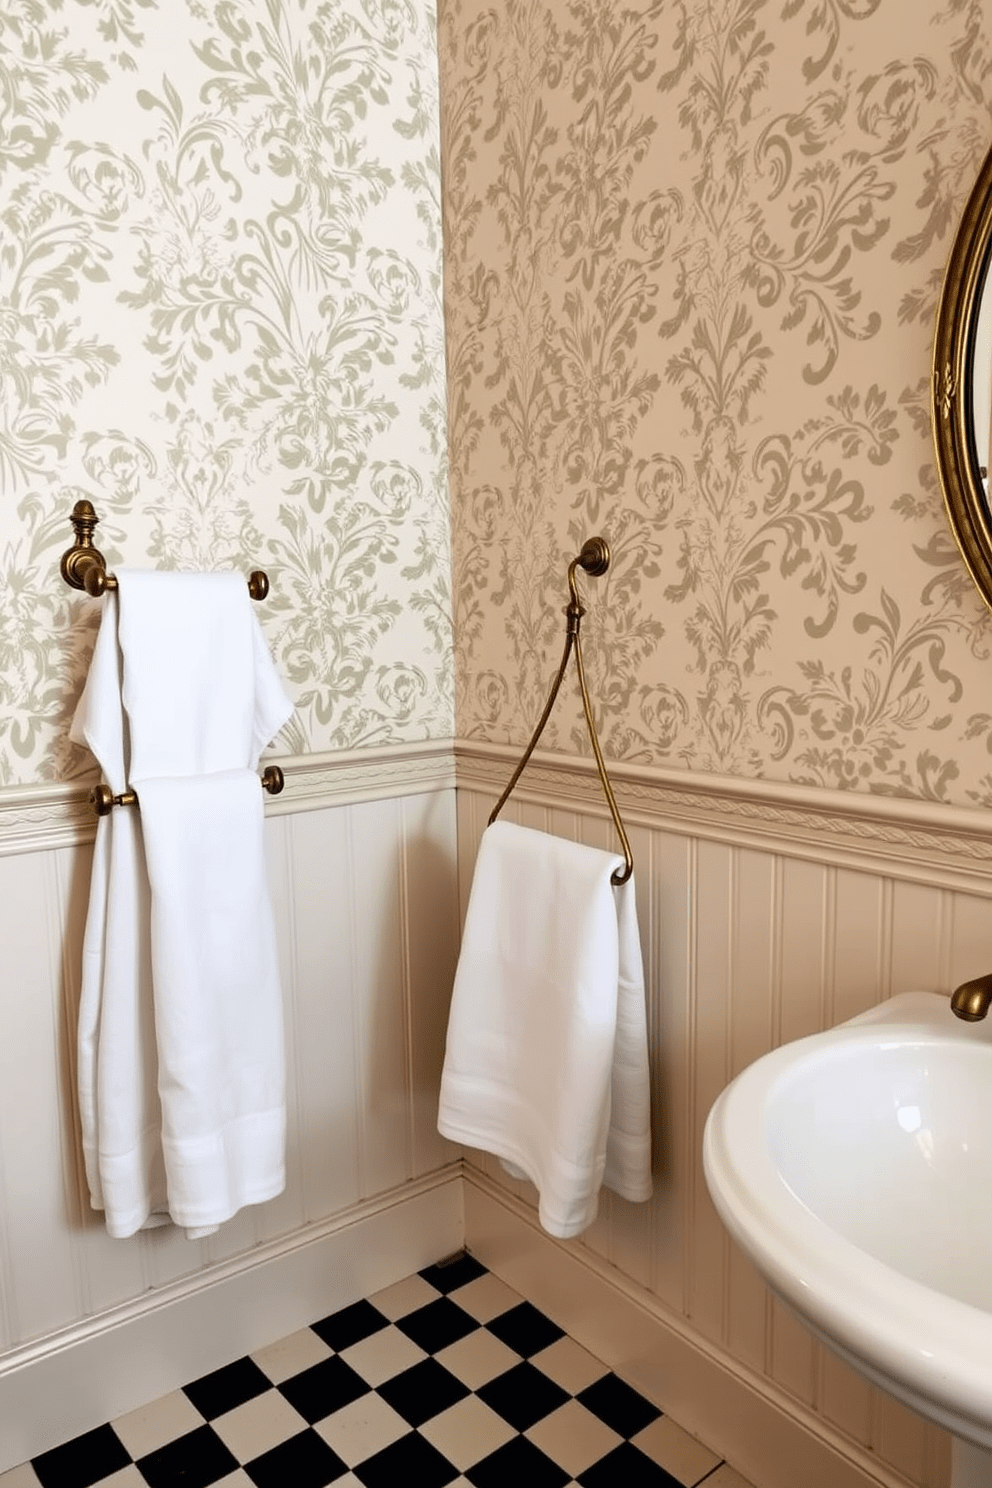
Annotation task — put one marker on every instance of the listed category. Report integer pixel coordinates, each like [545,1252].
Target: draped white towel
[546,1063]
[180,1068]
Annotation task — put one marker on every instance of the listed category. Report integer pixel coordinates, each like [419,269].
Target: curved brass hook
[594,559]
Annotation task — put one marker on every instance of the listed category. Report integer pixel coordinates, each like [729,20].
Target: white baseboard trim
[765,1436]
[74,1380]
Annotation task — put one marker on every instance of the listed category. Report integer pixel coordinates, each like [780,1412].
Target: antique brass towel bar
[594,559]
[103,800]
[83,566]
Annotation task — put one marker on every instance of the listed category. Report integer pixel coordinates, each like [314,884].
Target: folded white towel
[180,1068]
[546,1060]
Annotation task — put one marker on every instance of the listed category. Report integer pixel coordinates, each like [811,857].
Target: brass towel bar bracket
[83,566]
[103,800]
[594,559]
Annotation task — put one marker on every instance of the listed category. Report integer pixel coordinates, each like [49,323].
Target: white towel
[218,1012]
[120,1118]
[546,1061]
[180,1069]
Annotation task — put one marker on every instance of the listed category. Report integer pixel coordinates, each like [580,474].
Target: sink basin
[854,1167]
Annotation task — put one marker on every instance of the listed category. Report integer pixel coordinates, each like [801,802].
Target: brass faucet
[972,1000]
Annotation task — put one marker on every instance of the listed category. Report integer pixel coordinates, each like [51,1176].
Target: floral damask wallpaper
[694,249]
[220,321]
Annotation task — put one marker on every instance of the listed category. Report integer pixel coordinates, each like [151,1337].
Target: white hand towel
[203,699]
[120,1117]
[546,1060]
[200,689]
[218,1012]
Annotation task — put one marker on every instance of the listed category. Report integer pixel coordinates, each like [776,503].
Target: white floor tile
[403,1297]
[291,1355]
[477,1358]
[569,1365]
[467,1432]
[573,1437]
[486,1297]
[382,1355]
[150,1426]
[725,1477]
[258,1425]
[20,1477]
[361,1429]
[676,1451]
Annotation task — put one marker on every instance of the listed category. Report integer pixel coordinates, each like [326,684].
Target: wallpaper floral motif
[694,249]
[220,321]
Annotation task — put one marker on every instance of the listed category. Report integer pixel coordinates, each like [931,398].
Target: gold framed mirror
[961,384]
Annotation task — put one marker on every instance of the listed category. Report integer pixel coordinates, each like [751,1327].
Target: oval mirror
[961,384]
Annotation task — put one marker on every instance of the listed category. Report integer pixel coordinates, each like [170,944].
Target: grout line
[707,1475]
[828,970]
[406,987]
[689,1156]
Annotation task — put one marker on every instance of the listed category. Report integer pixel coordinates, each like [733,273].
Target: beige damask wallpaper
[220,321]
[693,254]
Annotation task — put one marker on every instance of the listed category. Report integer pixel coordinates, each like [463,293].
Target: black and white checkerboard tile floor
[448,1377]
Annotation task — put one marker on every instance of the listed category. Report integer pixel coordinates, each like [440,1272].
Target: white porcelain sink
[855,1169]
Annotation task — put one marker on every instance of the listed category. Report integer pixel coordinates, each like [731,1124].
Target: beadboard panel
[746,947]
[365,897]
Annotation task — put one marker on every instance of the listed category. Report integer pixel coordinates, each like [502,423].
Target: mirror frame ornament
[968,509]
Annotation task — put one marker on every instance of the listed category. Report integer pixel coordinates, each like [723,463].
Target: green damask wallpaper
[220,320]
[693,251]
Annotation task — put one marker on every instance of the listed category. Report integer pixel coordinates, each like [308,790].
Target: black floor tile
[626,1465]
[194,1460]
[422,1392]
[454,1273]
[519,1461]
[304,1461]
[522,1396]
[84,1460]
[435,1326]
[350,1325]
[525,1330]
[620,1406]
[226,1388]
[323,1388]
[411,1462]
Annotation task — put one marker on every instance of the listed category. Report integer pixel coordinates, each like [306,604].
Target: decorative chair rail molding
[946,846]
[33,818]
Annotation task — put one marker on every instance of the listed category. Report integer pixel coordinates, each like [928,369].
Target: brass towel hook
[594,559]
[83,566]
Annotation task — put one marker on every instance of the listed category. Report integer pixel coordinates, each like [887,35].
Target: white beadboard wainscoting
[361,856]
[766,912]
